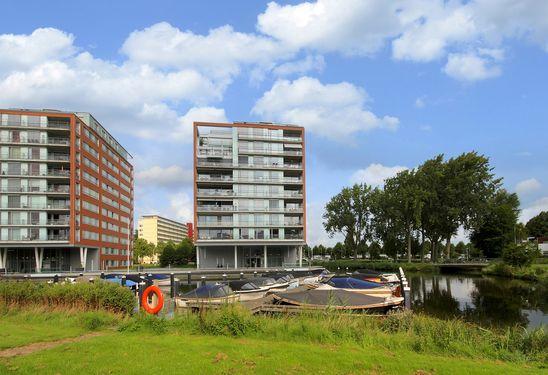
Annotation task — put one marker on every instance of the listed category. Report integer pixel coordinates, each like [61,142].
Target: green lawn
[21,328]
[136,353]
[151,346]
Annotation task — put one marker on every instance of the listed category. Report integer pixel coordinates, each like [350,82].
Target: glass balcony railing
[38,206]
[64,189]
[43,141]
[50,125]
[203,163]
[269,137]
[25,222]
[50,237]
[230,193]
[51,157]
[269,151]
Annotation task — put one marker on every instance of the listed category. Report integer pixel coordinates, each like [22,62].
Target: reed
[79,296]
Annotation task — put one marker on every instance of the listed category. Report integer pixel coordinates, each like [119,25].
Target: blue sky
[379,85]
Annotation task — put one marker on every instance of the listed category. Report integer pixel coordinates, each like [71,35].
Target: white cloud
[26,51]
[181,207]
[315,232]
[350,26]
[375,174]
[167,177]
[527,186]
[419,102]
[471,67]
[206,114]
[332,110]
[219,54]
[310,63]
[534,209]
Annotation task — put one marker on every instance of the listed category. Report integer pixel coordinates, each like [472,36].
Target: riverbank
[232,340]
[351,265]
[534,272]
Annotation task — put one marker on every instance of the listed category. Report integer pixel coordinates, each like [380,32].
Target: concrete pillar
[83,257]
[38,257]
[300,256]
[3,258]
[197,257]
[235,256]
[265,260]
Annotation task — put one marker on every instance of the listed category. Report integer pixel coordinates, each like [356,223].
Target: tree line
[169,253]
[420,210]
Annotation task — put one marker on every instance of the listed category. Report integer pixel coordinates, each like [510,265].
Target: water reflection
[484,300]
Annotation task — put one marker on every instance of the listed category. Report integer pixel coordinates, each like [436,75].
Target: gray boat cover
[328,298]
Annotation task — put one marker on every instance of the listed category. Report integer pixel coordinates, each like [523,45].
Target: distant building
[249,195]
[543,245]
[66,187]
[156,229]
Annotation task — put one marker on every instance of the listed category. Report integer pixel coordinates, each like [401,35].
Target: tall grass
[406,331]
[534,272]
[79,296]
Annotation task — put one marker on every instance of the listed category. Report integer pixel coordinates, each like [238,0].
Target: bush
[80,296]
[519,255]
[388,266]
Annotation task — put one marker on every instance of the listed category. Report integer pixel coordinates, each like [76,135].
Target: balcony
[216,224]
[50,125]
[61,189]
[245,150]
[42,141]
[203,163]
[215,178]
[25,222]
[51,157]
[33,206]
[269,137]
[214,152]
[50,237]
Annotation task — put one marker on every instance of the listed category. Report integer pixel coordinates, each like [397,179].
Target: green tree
[468,184]
[538,226]
[460,248]
[142,248]
[498,224]
[407,197]
[374,250]
[387,226]
[349,213]
[177,254]
[519,255]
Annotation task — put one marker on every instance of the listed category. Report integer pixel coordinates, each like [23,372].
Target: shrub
[81,296]
[519,255]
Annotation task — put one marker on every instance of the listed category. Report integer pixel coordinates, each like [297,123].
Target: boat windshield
[209,291]
[242,285]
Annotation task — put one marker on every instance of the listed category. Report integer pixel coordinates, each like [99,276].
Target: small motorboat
[211,294]
[248,290]
[338,299]
[356,285]
[376,276]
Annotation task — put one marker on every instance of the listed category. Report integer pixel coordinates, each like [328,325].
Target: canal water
[488,301]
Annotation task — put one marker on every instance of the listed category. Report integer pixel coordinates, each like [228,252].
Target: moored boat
[213,294]
[357,286]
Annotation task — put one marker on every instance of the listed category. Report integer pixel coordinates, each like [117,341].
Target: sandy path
[37,346]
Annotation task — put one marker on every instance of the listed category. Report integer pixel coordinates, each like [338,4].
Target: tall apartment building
[249,195]
[156,229]
[67,193]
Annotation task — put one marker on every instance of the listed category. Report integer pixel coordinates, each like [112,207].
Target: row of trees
[426,206]
[169,253]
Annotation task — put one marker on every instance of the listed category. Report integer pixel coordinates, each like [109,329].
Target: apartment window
[90,221]
[110,214]
[91,164]
[90,192]
[94,180]
[91,150]
[90,207]
[87,235]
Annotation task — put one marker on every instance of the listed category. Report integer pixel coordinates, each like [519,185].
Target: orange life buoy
[144,300]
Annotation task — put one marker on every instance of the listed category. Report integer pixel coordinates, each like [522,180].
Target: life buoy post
[157,298]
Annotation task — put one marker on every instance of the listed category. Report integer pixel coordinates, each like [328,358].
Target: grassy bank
[231,340]
[534,272]
[353,265]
